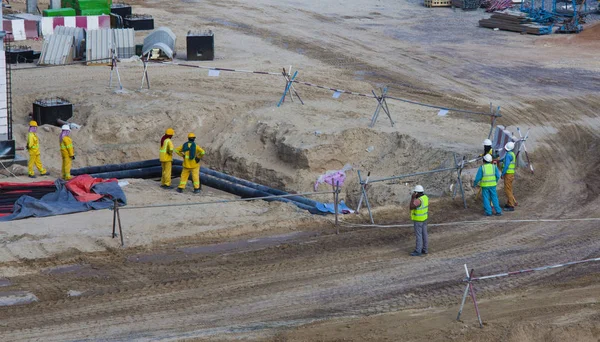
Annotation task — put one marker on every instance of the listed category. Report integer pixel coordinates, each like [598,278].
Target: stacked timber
[514,21]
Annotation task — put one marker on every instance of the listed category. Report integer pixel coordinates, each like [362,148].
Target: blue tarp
[63,202]
[330,208]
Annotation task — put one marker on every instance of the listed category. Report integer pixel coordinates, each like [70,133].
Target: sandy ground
[268,271]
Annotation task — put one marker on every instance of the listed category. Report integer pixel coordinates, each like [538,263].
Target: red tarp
[81,187]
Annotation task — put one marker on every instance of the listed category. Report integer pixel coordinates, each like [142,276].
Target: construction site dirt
[270,271]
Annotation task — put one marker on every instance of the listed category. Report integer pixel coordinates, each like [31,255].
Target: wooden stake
[145,74]
[117,217]
[336,194]
[364,195]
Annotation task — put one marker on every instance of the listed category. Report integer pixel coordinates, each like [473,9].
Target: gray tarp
[63,202]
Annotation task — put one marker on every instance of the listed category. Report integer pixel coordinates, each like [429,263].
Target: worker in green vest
[419,207]
[487,177]
[508,174]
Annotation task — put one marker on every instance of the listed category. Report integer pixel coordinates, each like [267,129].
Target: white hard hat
[487,158]
[66,127]
[487,142]
[509,146]
[419,188]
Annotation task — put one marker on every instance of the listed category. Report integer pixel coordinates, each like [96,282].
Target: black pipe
[256,186]
[100,171]
[146,172]
[119,167]
[208,180]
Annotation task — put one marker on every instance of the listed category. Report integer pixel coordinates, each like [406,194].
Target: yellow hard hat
[191,135]
[170,131]
[32,123]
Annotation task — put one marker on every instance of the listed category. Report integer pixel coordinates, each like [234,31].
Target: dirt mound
[591,33]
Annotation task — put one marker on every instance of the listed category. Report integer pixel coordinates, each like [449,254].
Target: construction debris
[516,22]
[497,5]
[437,3]
[467,4]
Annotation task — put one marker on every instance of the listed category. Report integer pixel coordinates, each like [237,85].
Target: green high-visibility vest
[489,175]
[511,166]
[420,214]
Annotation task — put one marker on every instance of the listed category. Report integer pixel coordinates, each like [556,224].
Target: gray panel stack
[99,44]
[57,50]
[124,42]
[78,35]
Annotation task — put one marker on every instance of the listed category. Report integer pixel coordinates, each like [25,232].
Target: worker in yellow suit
[66,151]
[166,158]
[33,147]
[191,154]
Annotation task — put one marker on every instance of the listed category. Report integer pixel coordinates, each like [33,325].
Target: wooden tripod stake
[289,86]
[381,104]
[114,67]
[469,289]
[364,196]
[145,74]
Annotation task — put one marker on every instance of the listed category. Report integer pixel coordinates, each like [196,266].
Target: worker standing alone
[487,177]
[191,154]
[33,147]
[66,151]
[166,158]
[508,174]
[419,208]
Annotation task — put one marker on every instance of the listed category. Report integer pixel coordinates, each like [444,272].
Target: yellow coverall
[166,161]
[67,153]
[190,166]
[33,147]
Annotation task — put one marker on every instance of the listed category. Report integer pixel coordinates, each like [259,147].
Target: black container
[121,9]
[14,56]
[200,46]
[139,22]
[7,149]
[48,111]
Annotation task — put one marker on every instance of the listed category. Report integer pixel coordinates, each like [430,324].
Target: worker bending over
[488,175]
[66,151]
[191,154]
[33,147]
[166,158]
[508,174]
[487,148]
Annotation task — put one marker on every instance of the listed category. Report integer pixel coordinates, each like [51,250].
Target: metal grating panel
[99,44]
[124,42]
[57,50]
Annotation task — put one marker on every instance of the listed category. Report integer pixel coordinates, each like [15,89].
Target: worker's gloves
[73,158]
[197,159]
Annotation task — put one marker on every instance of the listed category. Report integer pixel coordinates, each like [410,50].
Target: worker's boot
[197,191]
[31,176]
[179,190]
